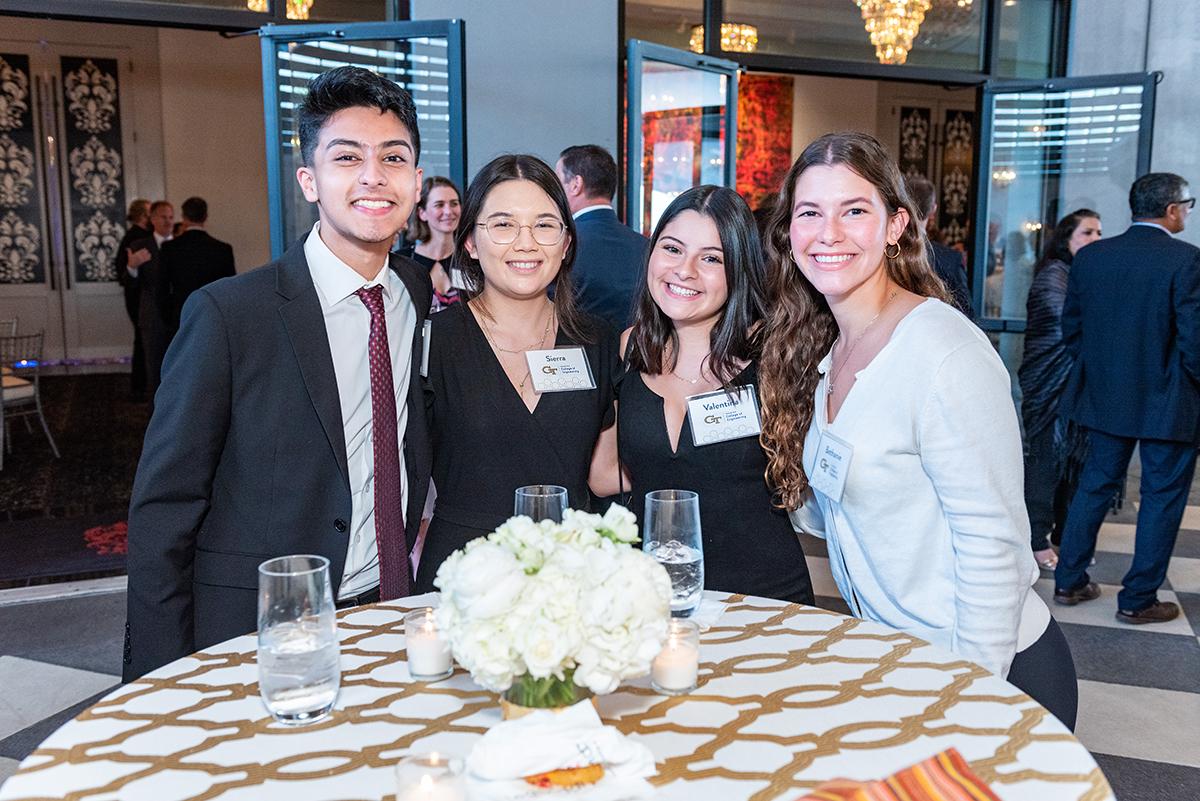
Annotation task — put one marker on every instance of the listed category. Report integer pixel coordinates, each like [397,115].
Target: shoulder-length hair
[736,337]
[1058,246]
[522,167]
[800,328]
[418,229]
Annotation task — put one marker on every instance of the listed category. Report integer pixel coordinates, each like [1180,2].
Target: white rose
[484,582]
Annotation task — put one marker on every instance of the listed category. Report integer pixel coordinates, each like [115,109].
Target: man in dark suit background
[610,260]
[139,229]
[1132,323]
[191,260]
[289,419]
[947,262]
[152,321]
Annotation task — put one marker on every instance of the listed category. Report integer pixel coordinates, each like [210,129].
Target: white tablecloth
[789,697]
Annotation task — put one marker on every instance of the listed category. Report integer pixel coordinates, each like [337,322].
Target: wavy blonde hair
[800,327]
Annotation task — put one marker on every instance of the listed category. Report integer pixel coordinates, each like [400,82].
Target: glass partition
[1026,39]
[423,57]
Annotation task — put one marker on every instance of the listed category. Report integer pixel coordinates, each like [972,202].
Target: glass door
[426,58]
[682,127]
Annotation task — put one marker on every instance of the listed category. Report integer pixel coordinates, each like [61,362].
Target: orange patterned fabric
[764,135]
[944,777]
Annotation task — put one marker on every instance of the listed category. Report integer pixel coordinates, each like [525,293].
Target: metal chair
[20,390]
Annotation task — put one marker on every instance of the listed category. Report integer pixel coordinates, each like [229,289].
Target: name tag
[830,468]
[457,279]
[559,369]
[720,416]
[425,348]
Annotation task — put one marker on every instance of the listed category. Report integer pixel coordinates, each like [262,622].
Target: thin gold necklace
[835,373]
[491,336]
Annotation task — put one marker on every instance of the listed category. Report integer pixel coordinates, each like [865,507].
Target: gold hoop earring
[895,245]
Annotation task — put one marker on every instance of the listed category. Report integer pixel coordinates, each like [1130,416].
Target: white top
[931,535]
[348,324]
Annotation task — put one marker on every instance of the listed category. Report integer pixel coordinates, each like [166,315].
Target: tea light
[676,667]
[429,777]
[428,654]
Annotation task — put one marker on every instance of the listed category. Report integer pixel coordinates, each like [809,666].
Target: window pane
[1053,152]
[667,22]
[1026,28]
[298,10]
[949,36]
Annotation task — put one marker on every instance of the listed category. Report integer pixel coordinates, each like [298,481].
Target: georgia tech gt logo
[712,419]
[548,370]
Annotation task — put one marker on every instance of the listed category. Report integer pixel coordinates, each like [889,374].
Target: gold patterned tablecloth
[789,696]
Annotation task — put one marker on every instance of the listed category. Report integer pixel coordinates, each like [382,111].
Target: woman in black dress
[431,230]
[492,429]
[697,330]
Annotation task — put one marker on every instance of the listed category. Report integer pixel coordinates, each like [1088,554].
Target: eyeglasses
[546,232]
[1189,202]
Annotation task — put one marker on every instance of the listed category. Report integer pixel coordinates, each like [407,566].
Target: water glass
[541,502]
[298,671]
[671,534]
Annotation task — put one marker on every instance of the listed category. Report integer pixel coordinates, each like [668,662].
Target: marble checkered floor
[1139,685]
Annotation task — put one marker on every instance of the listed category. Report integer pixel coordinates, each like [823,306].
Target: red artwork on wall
[764,141]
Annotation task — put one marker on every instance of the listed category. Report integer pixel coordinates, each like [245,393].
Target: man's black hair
[351,87]
[595,166]
[195,210]
[1153,192]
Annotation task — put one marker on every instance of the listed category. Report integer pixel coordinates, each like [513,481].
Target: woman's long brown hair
[800,327]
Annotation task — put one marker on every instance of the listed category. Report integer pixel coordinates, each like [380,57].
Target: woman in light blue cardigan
[891,429]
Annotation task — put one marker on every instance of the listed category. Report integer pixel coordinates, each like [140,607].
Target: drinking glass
[298,671]
[671,534]
[541,502]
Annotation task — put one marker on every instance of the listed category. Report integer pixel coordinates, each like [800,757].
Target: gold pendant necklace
[833,374]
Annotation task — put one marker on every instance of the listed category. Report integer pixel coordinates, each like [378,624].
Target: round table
[789,697]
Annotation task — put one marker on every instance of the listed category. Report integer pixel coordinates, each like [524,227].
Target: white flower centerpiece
[547,612]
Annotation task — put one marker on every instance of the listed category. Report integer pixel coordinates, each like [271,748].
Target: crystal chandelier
[296,9]
[892,25]
[736,37]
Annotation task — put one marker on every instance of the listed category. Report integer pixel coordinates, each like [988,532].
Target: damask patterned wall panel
[764,146]
[916,140]
[94,159]
[954,194]
[20,198]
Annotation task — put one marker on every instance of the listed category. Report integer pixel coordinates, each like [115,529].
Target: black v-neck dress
[750,547]
[486,442]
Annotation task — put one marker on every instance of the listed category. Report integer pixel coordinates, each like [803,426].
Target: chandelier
[892,25]
[736,37]
[296,9]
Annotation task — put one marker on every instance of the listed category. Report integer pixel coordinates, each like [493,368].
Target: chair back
[21,357]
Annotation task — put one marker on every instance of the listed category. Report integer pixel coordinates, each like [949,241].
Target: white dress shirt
[586,209]
[930,535]
[348,324]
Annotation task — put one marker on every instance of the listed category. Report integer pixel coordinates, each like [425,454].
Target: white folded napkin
[543,741]
[707,613]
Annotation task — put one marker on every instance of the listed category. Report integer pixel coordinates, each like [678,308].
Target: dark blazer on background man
[152,312]
[128,282]
[609,263]
[1132,322]
[188,262]
[245,458]
[949,265]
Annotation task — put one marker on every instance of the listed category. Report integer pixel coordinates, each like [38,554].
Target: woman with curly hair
[890,429]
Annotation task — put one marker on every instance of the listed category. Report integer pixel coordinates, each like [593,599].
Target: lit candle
[428,653]
[676,667]
[429,777]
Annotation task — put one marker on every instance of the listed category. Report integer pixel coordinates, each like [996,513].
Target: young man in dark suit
[1132,323]
[139,229]
[143,256]
[191,260]
[610,256]
[290,419]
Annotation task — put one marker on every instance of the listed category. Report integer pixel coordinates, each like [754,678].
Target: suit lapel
[417,456]
[305,326]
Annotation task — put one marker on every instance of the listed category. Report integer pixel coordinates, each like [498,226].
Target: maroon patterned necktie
[389,509]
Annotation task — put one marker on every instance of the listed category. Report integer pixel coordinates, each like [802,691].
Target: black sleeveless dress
[486,443]
[750,547]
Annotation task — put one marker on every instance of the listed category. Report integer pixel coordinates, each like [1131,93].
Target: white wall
[541,74]
[823,105]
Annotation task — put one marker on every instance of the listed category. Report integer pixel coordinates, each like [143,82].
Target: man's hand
[135,259]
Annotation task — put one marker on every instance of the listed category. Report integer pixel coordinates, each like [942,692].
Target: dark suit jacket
[949,265]
[188,262]
[245,458]
[1132,322]
[127,281]
[609,265]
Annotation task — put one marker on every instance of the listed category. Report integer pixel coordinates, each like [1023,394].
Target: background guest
[609,263]
[889,422]
[152,314]
[1131,321]
[431,232]
[492,429]
[698,329]
[139,229]
[1053,446]
[190,260]
[946,262]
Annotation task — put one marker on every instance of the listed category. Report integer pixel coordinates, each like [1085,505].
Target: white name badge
[830,468]
[425,332]
[720,416]
[457,279]
[559,369]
